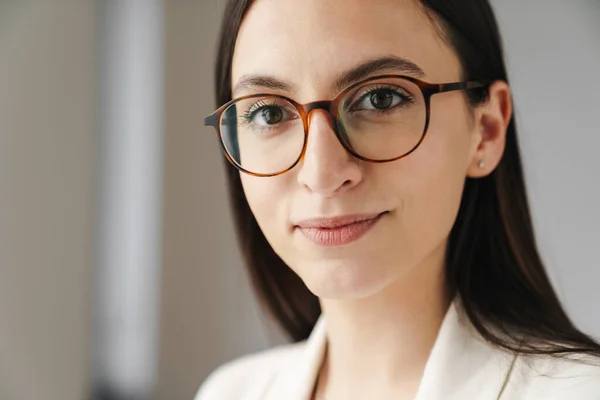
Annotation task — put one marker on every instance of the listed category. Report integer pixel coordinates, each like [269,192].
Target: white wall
[46,135]
[128,224]
[553,54]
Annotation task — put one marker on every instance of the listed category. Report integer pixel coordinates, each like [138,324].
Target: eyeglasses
[379,119]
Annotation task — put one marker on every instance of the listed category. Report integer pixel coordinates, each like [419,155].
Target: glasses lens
[383,119]
[263,135]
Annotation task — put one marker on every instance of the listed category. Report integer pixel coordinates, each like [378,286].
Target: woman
[377,186]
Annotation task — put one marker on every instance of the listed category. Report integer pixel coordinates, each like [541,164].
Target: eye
[267,115]
[380,100]
[271,115]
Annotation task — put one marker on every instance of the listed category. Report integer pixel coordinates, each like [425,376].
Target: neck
[382,342]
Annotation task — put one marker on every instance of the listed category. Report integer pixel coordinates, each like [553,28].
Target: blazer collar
[461,365]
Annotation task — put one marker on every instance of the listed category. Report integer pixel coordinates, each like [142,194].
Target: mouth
[338,231]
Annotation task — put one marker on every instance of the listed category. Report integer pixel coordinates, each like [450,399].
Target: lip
[338,231]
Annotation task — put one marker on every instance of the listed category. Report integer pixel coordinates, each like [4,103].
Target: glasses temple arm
[211,120]
[448,87]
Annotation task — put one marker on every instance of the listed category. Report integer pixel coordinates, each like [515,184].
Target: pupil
[272,115]
[381,100]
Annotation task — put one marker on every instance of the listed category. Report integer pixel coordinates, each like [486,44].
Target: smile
[338,231]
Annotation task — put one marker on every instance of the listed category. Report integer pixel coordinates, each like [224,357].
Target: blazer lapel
[461,365]
[296,380]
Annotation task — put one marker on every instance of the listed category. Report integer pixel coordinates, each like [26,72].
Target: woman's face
[308,44]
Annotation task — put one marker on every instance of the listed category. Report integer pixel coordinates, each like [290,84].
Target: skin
[384,295]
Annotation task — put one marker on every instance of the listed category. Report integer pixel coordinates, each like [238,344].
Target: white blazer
[461,366]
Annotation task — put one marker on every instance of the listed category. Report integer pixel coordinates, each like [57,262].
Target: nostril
[347,183]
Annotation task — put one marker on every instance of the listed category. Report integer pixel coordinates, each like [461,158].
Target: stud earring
[481,164]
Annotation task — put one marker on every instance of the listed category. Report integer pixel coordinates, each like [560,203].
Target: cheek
[269,202]
[432,183]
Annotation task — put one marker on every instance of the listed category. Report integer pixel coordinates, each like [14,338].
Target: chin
[332,279]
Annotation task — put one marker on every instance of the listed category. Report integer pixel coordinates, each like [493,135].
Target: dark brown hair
[492,263]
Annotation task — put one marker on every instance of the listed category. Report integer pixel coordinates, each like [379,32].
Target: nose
[327,168]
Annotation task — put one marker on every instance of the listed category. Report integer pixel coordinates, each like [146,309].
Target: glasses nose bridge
[318,105]
[338,131]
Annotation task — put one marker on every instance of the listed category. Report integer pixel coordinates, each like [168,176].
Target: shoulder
[247,374]
[548,378]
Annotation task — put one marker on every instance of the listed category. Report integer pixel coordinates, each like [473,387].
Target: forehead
[309,43]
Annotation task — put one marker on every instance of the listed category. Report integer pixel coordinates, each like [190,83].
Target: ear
[490,125]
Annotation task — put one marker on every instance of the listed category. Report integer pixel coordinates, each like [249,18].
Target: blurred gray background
[170,276]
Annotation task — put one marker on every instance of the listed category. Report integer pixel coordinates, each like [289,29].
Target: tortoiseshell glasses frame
[332,108]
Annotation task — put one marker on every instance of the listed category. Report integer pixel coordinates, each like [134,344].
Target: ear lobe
[492,123]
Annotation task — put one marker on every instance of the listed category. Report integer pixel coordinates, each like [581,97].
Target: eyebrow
[363,70]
